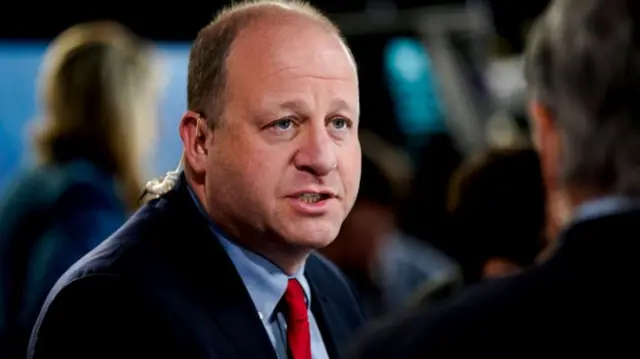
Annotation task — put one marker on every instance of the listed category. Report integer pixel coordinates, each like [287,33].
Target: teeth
[310,197]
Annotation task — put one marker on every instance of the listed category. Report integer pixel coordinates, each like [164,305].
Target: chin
[314,234]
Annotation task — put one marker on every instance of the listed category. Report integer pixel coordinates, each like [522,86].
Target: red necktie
[298,334]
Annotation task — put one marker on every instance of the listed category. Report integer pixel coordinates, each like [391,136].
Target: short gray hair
[583,64]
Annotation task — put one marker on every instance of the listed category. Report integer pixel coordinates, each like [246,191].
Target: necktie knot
[296,302]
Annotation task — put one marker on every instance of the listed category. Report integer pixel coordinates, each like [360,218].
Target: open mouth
[311,198]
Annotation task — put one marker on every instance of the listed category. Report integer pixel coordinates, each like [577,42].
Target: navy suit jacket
[163,286]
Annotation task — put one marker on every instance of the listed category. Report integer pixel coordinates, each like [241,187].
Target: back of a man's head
[583,66]
[207,72]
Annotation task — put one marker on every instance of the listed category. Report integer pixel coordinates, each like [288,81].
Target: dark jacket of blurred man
[223,265]
[583,69]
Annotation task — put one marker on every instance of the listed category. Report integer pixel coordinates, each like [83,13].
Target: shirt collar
[604,206]
[265,282]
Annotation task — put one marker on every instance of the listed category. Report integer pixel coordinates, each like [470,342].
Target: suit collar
[265,282]
[606,237]
[605,206]
[213,278]
[333,326]
[227,298]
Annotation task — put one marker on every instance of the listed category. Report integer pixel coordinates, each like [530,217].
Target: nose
[316,153]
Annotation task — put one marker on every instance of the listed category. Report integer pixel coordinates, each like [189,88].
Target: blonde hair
[94,80]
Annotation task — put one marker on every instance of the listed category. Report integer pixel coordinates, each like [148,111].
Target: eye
[283,124]
[285,127]
[340,123]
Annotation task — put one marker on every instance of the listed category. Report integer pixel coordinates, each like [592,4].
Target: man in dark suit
[583,69]
[223,265]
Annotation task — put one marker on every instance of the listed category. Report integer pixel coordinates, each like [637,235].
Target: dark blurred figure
[386,265]
[583,70]
[512,19]
[363,234]
[98,103]
[374,87]
[424,213]
[497,207]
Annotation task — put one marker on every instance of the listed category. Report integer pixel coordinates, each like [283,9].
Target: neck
[290,259]
[576,197]
[270,246]
[563,203]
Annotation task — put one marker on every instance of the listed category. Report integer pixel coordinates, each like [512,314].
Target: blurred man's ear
[547,139]
[194,133]
[543,125]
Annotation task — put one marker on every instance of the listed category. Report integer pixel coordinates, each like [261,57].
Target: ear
[194,133]
[548,141]
[543,125]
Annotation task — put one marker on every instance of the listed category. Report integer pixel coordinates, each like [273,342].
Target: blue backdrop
[19,68]
[413,88]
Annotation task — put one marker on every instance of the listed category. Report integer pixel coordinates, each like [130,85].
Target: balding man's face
[286,159]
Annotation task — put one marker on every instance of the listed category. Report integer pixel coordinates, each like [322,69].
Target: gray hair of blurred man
[583,71]
[98,93]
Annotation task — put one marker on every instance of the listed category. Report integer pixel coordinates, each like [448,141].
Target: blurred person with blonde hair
[98,113]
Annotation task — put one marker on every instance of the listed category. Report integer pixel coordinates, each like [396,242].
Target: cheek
[350,173]
[262,172]
[259,176]
[226,167]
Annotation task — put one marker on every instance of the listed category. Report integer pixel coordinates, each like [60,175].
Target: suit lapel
[326,314]
[332,326]
[218,285]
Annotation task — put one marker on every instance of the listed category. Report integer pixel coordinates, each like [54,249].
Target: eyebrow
[293,105]
[337,105]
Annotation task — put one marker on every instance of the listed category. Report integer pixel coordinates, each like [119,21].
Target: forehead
[288,56]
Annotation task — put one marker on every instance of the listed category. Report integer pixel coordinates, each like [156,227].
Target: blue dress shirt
[604,206]
[266,284]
